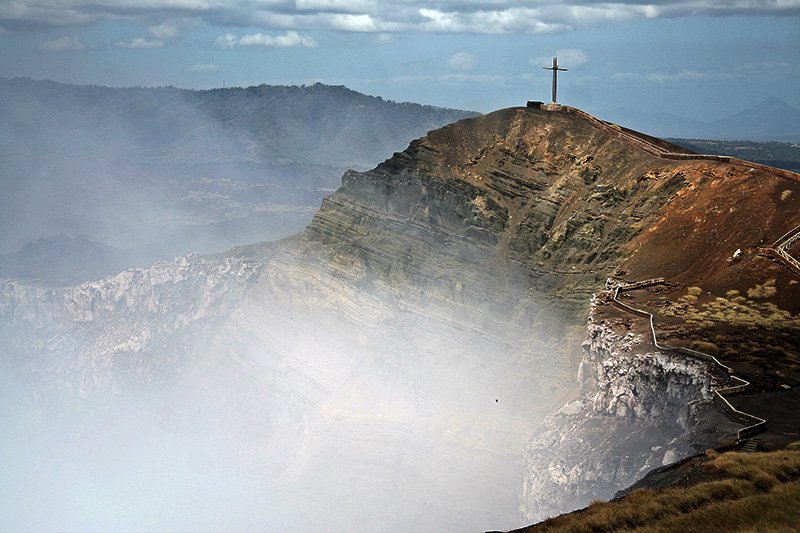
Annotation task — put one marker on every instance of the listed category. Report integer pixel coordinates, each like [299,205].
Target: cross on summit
[555,68]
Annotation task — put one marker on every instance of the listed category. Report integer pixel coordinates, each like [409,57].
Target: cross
[555,68]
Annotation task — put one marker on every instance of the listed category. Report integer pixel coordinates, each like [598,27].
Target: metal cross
[555,68]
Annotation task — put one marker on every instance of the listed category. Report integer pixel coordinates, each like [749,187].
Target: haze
[264,387]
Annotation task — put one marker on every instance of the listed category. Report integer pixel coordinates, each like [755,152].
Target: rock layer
[409,343]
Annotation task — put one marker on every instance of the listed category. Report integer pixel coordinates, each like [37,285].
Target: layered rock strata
[394,360]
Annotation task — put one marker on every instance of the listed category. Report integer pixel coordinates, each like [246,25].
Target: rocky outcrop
[524,197]
[639,409]
[90,336]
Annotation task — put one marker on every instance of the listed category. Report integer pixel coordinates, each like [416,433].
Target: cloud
[63,44]
[336,6]
[164,31]
[288,40]
[460,16]
[459,78]
[228,40]
[516,20]
[762,66]
[139,43]
[572,57]
[202,68]
[569,58]
[462,61]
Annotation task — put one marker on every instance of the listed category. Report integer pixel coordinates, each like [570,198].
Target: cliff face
[639,409]
[543,196]
[414,338]
[91,336]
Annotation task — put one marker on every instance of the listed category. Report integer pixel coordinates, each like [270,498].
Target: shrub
[766,290]
[711,453]
[694,291]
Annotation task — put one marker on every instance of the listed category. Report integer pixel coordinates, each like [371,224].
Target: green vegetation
[757,492]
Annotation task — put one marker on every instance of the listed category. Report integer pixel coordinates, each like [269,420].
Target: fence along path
[781,249]
[662,152]
[754,424]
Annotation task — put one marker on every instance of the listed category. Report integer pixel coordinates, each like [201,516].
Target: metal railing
[662,152]
[781,249]
[755,424]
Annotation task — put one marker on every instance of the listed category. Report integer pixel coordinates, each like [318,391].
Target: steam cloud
[285,387]
[319,407]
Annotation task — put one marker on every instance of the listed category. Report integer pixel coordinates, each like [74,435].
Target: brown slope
[568,201]
[551,193]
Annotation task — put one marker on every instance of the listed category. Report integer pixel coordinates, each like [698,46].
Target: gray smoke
[286,386]
[271,400]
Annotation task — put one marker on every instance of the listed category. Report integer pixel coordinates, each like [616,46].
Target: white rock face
[638,411]
[92,330]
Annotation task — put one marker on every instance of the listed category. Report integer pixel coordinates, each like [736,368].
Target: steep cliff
[395,359]
[545,196]
[639,409]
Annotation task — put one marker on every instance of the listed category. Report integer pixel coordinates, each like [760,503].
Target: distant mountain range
[774,154]
[160,172]
[771,120]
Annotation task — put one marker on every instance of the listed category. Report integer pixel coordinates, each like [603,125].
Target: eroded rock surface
[639,409]
[90,336]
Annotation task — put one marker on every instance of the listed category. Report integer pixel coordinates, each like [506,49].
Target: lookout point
[554,103]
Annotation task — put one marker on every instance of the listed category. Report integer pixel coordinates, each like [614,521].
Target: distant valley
[772,153]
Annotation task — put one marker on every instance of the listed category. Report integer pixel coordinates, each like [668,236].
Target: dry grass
[776,510]
[767,290]
[734,310]
[761,494]
[783,465]
[704,346]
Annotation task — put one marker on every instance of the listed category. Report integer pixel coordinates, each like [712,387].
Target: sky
[704,59]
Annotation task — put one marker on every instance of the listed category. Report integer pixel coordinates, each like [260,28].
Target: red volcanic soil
[741,306]
[722,208]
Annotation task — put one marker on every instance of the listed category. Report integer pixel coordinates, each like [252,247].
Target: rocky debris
[639,409]
[97,331]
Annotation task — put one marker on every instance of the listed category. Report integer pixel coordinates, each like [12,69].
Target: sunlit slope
[735,491]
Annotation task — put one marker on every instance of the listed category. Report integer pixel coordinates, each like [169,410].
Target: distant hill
[63,260]
[770,120]
[317,124]
[166,171]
